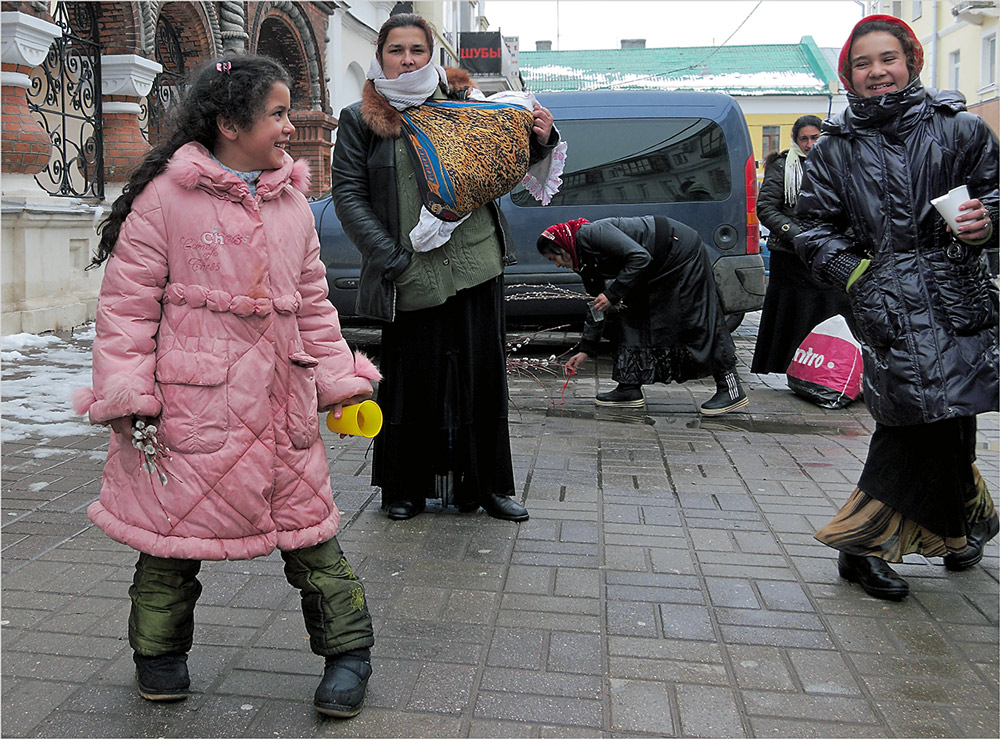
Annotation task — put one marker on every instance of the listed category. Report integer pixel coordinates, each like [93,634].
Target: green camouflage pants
[164,593]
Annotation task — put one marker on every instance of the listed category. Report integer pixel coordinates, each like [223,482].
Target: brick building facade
[180,35]
[85,87]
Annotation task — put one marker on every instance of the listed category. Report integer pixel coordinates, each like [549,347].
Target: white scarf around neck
[793,173]
[410,88]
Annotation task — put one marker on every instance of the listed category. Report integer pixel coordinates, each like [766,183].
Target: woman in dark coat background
[795,302]
[925,307]
[673,328]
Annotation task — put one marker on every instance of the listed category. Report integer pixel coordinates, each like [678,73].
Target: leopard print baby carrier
[466,153]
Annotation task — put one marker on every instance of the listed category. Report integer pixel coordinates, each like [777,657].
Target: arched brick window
[181,41]
[281,41]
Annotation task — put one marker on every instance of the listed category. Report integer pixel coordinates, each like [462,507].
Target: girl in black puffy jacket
[925,308]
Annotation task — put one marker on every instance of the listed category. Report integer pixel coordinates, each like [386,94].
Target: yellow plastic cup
[360,419]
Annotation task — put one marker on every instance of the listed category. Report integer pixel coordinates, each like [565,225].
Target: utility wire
[681,69]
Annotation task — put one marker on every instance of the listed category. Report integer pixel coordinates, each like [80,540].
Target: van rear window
[640,160]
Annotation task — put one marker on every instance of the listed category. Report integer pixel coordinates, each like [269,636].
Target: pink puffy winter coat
[213,320]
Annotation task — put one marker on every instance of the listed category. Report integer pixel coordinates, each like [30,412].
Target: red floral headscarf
[564,236]
[844,62]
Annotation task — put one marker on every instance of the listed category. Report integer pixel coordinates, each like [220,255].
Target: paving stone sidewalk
[667,584]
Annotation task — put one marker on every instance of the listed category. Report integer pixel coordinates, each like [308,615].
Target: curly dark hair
[238,92]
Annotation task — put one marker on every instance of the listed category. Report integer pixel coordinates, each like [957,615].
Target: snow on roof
[764,69]
[737,83]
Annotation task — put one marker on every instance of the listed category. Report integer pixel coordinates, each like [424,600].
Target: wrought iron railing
[65,95]
[169,85]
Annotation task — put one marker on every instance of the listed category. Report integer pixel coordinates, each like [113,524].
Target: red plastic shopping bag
[826,368]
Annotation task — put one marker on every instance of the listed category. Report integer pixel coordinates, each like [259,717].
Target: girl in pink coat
[213,330]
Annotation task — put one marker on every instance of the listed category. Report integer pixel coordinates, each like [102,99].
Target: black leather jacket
[928,321]
[367,204]
[617,254]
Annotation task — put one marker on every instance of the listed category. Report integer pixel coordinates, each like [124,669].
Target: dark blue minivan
[686,155]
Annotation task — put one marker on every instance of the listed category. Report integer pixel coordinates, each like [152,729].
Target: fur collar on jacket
[385,121]
[192,166]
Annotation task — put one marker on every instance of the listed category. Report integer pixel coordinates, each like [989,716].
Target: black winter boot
[162,678]
[729,396]
[341,692]
[623,396]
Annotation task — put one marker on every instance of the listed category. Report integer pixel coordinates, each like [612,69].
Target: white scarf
[414,88]
[793,174]
[410,88]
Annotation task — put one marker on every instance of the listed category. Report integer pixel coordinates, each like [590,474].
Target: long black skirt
[924,472]
[795,303]
[444,402]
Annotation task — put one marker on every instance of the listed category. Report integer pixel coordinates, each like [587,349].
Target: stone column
[232,24]
[124,79]
[27,147]
[313,140]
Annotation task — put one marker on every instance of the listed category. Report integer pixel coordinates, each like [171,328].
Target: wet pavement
[667,584]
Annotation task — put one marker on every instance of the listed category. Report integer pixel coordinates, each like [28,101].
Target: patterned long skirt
[919,493]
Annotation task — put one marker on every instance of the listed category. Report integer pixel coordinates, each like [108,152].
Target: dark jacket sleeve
[537,151]
[983,161]
[352,198]
[612,243]
[823,243]
[772,210]
[591,337]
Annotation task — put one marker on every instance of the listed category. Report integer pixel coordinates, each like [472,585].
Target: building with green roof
[773,83]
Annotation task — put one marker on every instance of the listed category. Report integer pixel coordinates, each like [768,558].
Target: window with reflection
[649,160]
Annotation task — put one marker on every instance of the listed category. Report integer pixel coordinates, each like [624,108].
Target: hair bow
[224,66]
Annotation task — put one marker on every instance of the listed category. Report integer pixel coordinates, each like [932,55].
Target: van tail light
[753,226]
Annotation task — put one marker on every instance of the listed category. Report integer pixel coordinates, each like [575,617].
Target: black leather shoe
[505,507]
[982,532]
[404,509]
[341,692]
[163,678]
[873,574]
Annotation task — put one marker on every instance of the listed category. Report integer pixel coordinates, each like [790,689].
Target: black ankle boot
[729,396]
[341,692]
[623,396]
[162,678]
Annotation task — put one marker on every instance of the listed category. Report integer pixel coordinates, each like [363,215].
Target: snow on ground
[39,374]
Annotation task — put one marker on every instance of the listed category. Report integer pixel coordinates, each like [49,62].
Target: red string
[562,395]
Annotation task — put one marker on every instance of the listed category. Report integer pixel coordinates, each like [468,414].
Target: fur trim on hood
[385,121]
[193,166]
[301,178]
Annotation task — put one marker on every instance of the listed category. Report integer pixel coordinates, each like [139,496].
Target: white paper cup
[947,205]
